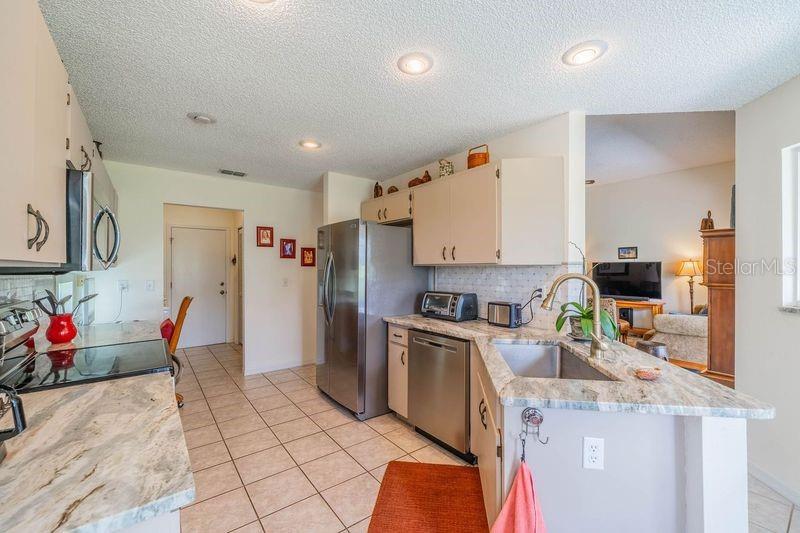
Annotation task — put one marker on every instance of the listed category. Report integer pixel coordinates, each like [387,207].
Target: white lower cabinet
[398,371]
[485,440]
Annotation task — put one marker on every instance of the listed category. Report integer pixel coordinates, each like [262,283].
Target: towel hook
[531,417]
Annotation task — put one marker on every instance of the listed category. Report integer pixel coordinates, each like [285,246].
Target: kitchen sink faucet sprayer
[598,344]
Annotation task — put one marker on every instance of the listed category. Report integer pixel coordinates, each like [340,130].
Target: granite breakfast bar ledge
[102,456]
[677,392]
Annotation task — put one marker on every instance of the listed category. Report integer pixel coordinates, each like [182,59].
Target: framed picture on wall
[628,252]
[288,248]
[264,236]
[308,257]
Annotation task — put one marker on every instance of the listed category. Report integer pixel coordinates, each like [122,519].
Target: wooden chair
[173,343]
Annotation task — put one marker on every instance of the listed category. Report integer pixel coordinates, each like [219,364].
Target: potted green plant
[580,319]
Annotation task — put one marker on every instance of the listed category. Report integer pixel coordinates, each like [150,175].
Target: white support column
[716,474]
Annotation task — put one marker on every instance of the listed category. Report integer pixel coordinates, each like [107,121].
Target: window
[791,225]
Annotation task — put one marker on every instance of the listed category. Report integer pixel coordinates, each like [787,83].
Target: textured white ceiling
[625,147]
[274,73]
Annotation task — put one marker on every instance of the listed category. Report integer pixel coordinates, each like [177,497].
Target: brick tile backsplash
[23,288]
[508,284]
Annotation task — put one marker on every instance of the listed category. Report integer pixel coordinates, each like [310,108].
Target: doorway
[202,259]
[240,286]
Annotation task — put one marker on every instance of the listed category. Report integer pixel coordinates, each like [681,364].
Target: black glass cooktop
[36,371]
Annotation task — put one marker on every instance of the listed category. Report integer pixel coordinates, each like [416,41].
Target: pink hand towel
[521,513]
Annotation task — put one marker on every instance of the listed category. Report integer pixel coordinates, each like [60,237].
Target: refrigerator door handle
[332,302]
[326,278]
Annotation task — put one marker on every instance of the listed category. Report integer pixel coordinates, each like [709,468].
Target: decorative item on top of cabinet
[477,159]
[426,177]
[707,223]
[445,168]
[377,190]
[392,190]
[414,182]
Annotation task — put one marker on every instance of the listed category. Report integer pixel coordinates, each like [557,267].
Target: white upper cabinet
[33,130]
[81,150]
[431,207]
[388,208]
[372,210]
[513,213]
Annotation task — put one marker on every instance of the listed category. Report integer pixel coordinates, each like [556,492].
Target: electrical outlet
[150,285]
[594,453]
[123,285]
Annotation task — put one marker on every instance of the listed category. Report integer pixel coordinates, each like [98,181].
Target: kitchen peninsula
[98,456]
[675,448]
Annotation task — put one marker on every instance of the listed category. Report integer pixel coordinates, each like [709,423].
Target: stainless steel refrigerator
[364,273]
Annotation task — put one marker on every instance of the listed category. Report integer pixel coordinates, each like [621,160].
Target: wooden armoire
[719,276]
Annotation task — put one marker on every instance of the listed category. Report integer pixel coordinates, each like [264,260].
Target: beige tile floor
[271,453]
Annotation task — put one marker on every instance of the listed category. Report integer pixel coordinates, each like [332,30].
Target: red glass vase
[61,329]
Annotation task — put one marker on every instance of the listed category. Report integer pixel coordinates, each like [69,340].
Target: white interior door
[199,263]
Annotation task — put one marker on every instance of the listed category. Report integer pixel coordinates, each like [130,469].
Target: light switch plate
[594,453]
[150,285]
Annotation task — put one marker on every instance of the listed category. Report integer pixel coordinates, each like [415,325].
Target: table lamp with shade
[690,268]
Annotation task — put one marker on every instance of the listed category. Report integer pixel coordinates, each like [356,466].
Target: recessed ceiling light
[200,118]
[310,144]
[584,53]
[415,63]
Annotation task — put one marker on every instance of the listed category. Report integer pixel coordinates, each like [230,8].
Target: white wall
[563,135]
[342,196]
[203,217]
[640,489]
[767,349]
[280,295]
[661,215]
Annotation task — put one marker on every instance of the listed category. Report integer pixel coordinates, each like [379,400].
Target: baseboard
[774,483]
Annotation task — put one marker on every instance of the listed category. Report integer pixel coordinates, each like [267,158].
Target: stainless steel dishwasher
[438,388]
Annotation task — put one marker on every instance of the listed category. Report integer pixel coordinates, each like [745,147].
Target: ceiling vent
[228,172]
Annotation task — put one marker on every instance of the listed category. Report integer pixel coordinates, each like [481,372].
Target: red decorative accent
[61,329]
[167,328]
[264,236]
[308,257]
[288,248]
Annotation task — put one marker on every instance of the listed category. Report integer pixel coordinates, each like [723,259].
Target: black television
[634,280]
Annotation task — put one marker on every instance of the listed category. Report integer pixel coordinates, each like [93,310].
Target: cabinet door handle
[46,233]
[397,335]
[379,214]
[453,253]
[384,213]
[482,411]
[38,217]
[444,251]
[403,358]
[88,164]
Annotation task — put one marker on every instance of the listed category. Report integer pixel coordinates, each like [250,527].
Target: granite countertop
[101,335]
[96,457]
[676,392]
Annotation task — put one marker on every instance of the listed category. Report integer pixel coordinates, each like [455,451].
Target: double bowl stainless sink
[546,361]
